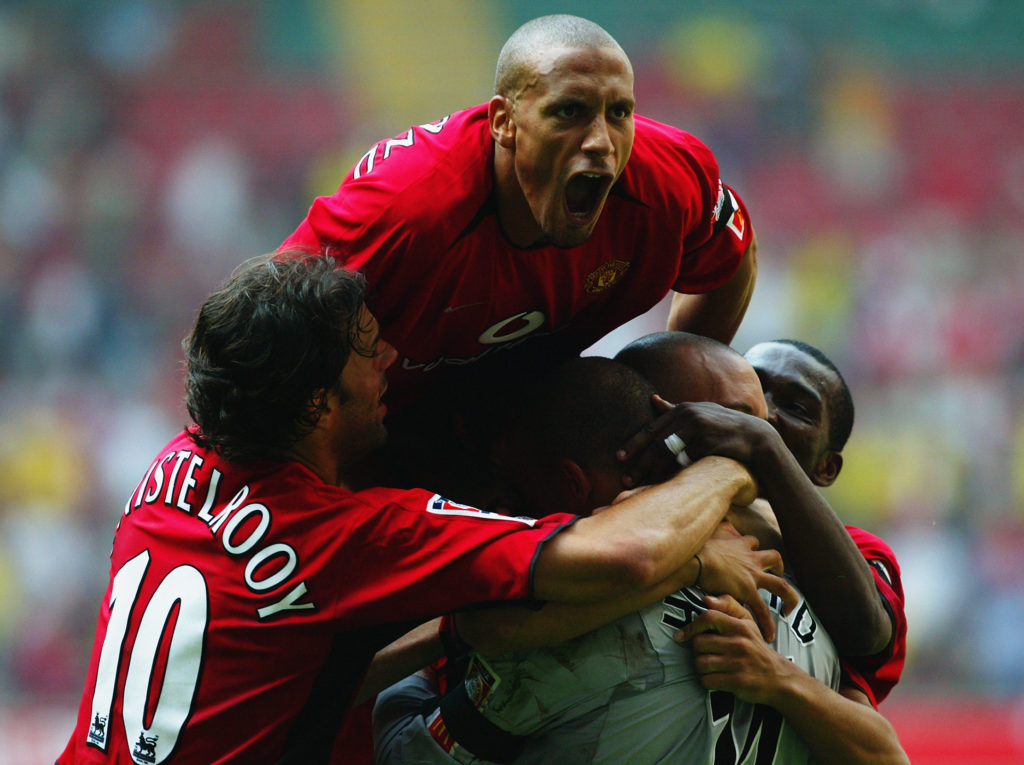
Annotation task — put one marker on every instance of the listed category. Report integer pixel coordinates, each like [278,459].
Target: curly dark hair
[265,350]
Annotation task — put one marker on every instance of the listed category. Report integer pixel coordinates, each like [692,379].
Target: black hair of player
[265,350]
[584,409]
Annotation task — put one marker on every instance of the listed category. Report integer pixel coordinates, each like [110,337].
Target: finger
[698,626]
[657,429]
[771,560]
[763,616]
[726,526]
[652,465]
[662,405]
[639,441]
[755,545]
[708,644]
[726,660]
[711,628]
[717,681]
[709,664]
[728,605]
[683,634]
[716,620]
[781,588]
[642,452]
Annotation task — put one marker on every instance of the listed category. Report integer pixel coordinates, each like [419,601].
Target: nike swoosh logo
[454,308]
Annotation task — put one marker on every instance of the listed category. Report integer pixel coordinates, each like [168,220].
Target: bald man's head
[518,57]
[686,367]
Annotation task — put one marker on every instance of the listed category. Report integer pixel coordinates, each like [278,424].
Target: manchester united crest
[605,275]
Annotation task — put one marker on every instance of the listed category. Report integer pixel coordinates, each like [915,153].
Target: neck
[514,213]
[306,452]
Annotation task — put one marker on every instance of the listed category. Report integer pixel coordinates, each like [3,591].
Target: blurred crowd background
[146,148]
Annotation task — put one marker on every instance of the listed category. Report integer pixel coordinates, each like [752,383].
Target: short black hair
[840,400]
[583,410]
[265,350]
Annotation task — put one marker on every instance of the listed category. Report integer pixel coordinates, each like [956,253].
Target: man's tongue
[581,194]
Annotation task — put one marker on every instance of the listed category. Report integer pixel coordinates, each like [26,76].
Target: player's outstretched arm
[730,655]
[642,541]
[493,631]
[718,313]
[728,563]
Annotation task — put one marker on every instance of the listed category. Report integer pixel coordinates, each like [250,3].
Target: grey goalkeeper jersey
[623,693]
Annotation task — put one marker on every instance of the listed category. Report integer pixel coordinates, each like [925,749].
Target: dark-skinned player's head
[568,424]
[809,404]
[684,367]
[562,123]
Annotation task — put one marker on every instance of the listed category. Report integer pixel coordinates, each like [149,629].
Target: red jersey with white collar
[417,216]
[877,675]
[247,599]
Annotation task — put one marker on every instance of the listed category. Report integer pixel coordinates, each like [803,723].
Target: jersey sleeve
[713,263]
[676,173]
[405,200]
[359,226]
[877,675]
[423,555]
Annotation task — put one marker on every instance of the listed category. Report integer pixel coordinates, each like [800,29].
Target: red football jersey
[246,601]
[417,216]
[877,675]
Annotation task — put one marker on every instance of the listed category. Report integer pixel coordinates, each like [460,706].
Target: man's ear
[501,121]
[324,404]
[827,469]
[575,484]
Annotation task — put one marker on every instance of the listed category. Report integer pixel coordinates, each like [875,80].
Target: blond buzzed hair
[517,59]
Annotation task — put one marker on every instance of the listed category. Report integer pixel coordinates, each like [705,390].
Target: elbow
[621,570]
[879,639]
[638,567]
[865,637]
[878,633]
[891,751]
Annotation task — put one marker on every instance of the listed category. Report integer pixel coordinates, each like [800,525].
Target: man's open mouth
[584,192]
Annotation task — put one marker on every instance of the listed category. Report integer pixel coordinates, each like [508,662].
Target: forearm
[414,650]
[643,540]
[835,728]
[830,569]
[730,656]
[496,630]
[728,563]
[717,314]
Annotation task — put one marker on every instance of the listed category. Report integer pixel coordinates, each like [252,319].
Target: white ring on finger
[674,444]
[677,447]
